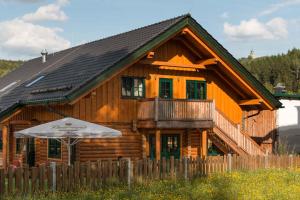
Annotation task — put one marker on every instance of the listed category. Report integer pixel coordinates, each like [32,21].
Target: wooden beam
[11,116]
[210,61]
[189,143]
[150,54]
[250,102]
[204,143]
[5,148]
[19,122]
[192,48]
[157,144]
[172,64]
[193,37]
[230,83]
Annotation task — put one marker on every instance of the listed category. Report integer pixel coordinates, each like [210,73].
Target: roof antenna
[44,55]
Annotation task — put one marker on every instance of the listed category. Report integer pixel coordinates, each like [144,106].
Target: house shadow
[284,137]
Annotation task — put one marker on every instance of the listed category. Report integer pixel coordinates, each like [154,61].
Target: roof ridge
[118,34]
[135,29]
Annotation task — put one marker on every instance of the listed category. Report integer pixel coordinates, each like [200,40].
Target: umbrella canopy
[68,128]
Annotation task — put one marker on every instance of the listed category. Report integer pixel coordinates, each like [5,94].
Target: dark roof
[287,96]
[71,72]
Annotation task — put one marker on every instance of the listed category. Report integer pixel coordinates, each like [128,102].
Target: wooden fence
[93,175]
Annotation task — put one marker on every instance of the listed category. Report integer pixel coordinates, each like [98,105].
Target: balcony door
[165,88]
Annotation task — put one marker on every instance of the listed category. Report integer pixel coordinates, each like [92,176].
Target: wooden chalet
[170,88]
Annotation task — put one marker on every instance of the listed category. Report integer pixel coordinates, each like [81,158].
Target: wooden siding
[129,145]
[105,104]
[260,123]
[261,126]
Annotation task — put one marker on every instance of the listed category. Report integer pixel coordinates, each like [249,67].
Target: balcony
[175,113]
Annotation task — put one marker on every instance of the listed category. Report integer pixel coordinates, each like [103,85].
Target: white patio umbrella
[67,129]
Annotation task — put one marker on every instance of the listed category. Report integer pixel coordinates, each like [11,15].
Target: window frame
[50,156]
[132,96]
[170,80]
[195,82]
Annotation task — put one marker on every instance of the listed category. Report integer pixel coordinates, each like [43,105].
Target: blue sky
[27,26]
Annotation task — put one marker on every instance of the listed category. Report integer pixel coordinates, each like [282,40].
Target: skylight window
[35,81]
[8,86]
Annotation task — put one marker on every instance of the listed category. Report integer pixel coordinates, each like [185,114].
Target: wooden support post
[157,144]
[189,144]
[204,143]
[144,145]
[5,149]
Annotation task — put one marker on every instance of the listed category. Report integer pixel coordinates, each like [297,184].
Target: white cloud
[22,39]
[282,4]
[50,12]
[256,30]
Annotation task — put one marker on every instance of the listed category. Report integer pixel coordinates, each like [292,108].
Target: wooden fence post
[266,161]
[129,172]
[291,161]
[185,163]
[229,163]
[42,177]
[53,169]
[172,167]
[2,182]
[10,179]
[19,180]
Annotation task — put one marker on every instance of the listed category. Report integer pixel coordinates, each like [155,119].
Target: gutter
[21,103]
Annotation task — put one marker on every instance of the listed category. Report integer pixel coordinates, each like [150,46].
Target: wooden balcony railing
[157,109]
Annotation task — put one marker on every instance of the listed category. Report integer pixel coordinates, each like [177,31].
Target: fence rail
[93,175]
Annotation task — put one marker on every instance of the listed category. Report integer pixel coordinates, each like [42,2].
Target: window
[165,88]
[196,89]
[8,86]
[54,148]
[1,141]
[133,87]
[35,81]
[18,145]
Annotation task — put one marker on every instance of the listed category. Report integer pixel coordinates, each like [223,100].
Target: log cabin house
[170,87]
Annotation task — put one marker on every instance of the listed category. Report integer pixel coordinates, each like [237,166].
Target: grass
[263,184]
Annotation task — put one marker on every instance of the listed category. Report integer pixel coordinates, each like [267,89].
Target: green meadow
[262,184]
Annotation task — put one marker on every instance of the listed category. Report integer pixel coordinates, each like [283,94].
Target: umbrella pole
[69,151]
